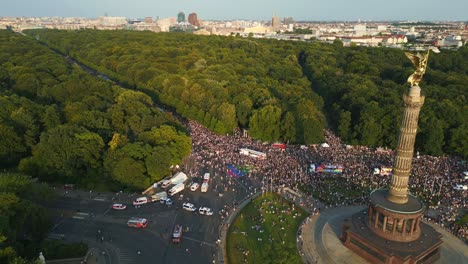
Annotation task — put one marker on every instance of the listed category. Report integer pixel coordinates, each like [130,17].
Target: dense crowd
[432,178]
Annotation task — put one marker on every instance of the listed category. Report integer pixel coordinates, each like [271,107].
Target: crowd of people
[432,178]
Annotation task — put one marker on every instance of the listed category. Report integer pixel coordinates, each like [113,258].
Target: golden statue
[420,62]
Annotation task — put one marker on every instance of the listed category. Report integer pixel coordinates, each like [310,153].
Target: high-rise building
[288,21]
[276,23]
[391,229]
[181,17]
[193,20]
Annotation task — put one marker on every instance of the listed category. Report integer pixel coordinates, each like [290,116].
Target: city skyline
[300,10]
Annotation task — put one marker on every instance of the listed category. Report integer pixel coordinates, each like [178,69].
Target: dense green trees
[60,123]
[23,223]
[228,82]
[362,89]
[221,82]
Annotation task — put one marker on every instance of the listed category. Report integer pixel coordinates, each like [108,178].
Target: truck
[179,177]
[158,196]
[176,189]
[177,234]
[206,180]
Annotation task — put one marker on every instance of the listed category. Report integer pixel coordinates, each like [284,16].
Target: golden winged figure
[420,62]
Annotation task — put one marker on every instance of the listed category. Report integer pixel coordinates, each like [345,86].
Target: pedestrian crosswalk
[127,257]
[100,198]
[56,236]
[80,215]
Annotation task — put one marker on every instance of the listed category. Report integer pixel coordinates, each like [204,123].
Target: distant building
[203,32]
[193,20]
[148,20]
[181,17]
[257,30]
[276,23]
[360,30]
[112,21]
[288,21]
[165,23]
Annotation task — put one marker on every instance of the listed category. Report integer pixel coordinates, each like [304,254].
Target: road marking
[100,198]
[56,236]
[80,215]
[198,241]
[107,210]
[241,184]
[125,257]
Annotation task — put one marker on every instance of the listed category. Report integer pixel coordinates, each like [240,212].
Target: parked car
[205,211]
[119,206]
[194,186]
[189,207]
[460,187]
[166,200]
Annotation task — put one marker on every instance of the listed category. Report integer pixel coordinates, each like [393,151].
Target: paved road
[80,214]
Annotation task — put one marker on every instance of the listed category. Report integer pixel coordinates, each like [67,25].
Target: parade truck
[158,196]
[176,189]
[206,180]
[179,177]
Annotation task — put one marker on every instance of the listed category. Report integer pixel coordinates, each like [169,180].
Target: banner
[237,171]
[329,168]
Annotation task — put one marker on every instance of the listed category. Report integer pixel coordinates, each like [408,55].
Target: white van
[158,196]
[140,200]
[165,184]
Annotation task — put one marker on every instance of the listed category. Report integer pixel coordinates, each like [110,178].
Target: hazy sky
[246,9]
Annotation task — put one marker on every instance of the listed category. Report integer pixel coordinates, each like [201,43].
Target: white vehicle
[158,196]
[176,189]
[204,187]
[165,184]
[166,200]
[206,177]
[137,222]
[140,200]
[460,187]
[205,211]
[194,186]
[180,177]
[189,207]
[206,180]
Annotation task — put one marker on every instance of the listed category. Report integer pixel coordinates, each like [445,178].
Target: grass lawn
[265,232]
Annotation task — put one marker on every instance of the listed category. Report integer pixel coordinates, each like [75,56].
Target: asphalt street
[80,215]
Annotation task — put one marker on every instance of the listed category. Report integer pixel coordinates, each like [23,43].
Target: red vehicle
[137,222]
[177,235]
[119,206]
[69,186]
[279,145]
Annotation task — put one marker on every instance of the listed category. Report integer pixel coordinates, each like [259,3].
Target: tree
[68,150]
[265,123]
[344,125]
[11,145]
[288,128]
